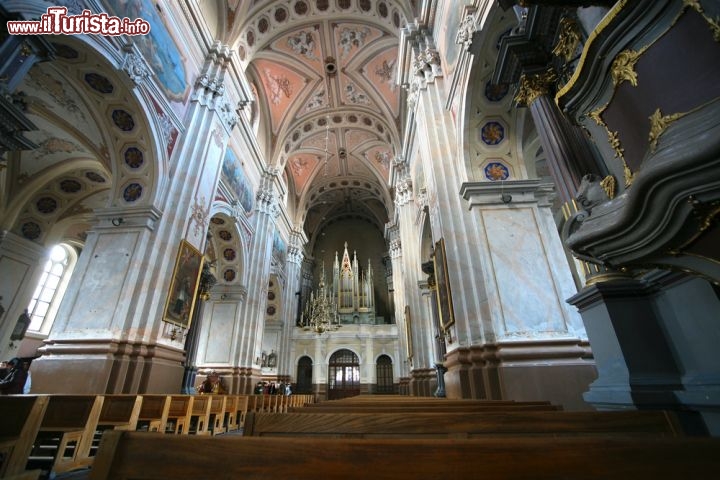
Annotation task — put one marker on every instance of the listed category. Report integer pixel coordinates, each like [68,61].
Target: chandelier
[320,314]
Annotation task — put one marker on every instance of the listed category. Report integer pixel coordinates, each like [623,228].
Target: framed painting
[408,332]
[183,286]
[444,295]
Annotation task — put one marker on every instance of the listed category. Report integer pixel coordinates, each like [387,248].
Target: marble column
[421,328]
[570,155]
[258,262]
[110,335]
[293,269]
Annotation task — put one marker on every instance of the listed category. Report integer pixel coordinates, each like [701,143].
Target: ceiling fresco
[324,72]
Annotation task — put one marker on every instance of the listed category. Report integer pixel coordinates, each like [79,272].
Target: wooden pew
[230,415]
[463,425]
[402,402]
[154,412]
[179,414]
[65,436]
[133,455]
[22,416]
[478,408]
[243,405]
[200,415]
[120,412]
[216,415]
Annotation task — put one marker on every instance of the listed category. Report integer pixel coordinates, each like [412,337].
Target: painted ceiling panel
[380,72]
[302,165]
[351,38]
[282,87]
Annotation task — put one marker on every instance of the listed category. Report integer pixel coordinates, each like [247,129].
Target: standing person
[28,380]
[14,381]
[288,389]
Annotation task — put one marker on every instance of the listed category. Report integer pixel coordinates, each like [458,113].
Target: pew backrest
[22,417]
[132,455]
[463,425]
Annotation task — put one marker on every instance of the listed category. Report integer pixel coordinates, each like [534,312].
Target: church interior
[477,200]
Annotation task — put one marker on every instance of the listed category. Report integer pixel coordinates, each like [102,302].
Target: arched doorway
[343,375]
[384,371]
[304,375]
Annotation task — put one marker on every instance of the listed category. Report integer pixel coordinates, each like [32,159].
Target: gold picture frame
[408,333]
[183,286]
[442,282]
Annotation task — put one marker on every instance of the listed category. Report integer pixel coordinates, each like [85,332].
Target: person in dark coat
[14,380]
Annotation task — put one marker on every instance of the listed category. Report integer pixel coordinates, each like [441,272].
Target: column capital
[295,255]
[532,87]
[466,29]
[403,190]
[395,248]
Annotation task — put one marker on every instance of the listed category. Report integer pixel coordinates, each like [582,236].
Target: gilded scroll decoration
[623,67]
[714,22]
[609,184]
[629,175]
[658,125]
[568,39]
[706,215]
[534,86]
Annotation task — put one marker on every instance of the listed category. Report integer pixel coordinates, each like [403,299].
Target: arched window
[51,288]
[384,371]
[304,375]
[343,375]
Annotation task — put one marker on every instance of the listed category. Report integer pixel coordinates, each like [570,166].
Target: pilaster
[258,262]
[21,264]
[110,330]
[291,300]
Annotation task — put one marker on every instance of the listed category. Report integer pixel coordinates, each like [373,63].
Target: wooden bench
[420,402]
[478,408]
[120,412]
[463,425]
[132,455]
[65,436]
[242,409]
[216,416]
[200,415]
[179,413]
[22,416]
[154,412]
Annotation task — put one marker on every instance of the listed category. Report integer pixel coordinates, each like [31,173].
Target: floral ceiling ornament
[134,65]
[350,38]
[303,44]
[199,216]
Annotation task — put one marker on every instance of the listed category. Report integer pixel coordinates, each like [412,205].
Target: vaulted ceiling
[324,75]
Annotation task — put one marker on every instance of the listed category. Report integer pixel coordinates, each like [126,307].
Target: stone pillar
[221,334]
[258,262]
[569,152]
[370,370]
[110,335]
[291,295]
[21,264]
[320,369]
